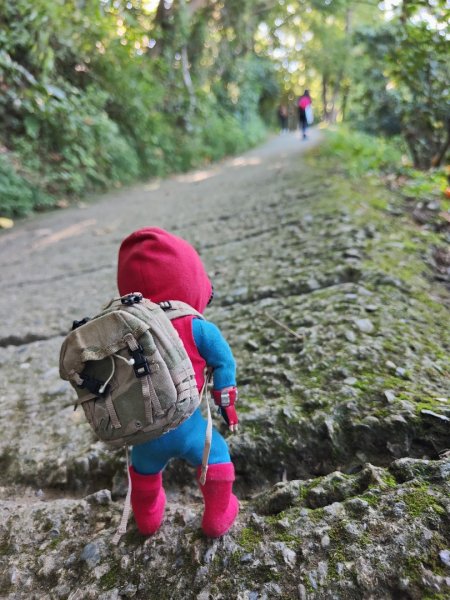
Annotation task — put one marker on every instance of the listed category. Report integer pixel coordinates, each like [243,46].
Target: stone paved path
[61,266]
[54,265]
[343,399]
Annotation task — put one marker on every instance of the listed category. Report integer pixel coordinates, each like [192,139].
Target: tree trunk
[439,157]
[333,112]
[345,95]
[162,14]
[339,88]
[325,97]
[410,139]
[404,12]
[162,18]
[187,78]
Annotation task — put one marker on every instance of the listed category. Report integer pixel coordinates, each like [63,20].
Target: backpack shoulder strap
[175,309]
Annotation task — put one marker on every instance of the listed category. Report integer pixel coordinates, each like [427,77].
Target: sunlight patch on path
[68,232]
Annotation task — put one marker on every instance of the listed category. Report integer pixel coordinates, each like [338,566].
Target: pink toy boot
[221,506]
[148,500]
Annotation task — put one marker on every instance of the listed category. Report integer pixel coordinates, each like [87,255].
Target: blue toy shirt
[213,347]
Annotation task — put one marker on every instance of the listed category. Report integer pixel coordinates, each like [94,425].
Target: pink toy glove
[225,400]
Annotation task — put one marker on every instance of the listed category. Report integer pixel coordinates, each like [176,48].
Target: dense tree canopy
[384,66]
[97,92]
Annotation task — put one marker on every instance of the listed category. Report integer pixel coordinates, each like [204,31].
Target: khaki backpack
[130,370]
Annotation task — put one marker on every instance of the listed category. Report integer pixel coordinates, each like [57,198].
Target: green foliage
[73,143]
[96,93]
[384,66]
[426,185]
[18,195]
[408,96]
[359,152]
[101,92]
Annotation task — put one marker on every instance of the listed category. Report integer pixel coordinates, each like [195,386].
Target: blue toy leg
[186,441]
[196,441]
[151,457]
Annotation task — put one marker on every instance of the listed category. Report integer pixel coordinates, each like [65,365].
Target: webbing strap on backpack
[127,506]
[151,402]
[208,434]
[176,309]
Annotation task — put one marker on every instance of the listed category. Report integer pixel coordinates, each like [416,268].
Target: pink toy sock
[221,506]
[148,500]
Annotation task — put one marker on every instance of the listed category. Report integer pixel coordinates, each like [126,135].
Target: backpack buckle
[79,323]
[140,366]
[165,305]
[92,385]
[130,299]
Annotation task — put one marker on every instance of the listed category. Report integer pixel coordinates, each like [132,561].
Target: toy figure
[164,267]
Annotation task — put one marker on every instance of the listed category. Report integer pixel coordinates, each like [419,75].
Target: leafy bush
[426,185]
[360,152]
[70,139]
[18,196]
[223,135]
[409,96]
[85,103]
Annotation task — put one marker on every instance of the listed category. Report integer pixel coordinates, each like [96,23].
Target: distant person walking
[305,112]
[283,118]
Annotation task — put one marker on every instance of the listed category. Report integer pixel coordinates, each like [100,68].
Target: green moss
[249,539]
[305,489]
[308,586]
[54,543]
[371,499]
[339,535]
[289,539]
[273,520]
[409,271]
[413,566]
[316,514]
[111,578]
[378,203]
[5,549]
[336,557]
[439,509]
[279,532]
[429,404]
[389,480]
[419,500]
[266,573]
[234,559]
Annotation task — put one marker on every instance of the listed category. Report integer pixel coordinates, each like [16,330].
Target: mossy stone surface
[330,305]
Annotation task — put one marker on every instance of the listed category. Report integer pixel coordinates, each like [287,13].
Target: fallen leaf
[6,223]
